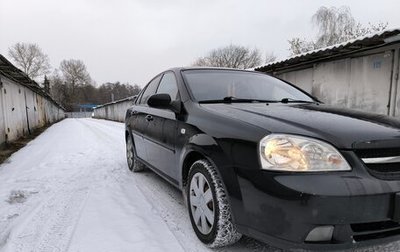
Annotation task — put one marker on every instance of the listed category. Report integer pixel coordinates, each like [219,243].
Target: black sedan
[257,156]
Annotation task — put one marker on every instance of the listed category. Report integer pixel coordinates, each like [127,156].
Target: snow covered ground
[70,190]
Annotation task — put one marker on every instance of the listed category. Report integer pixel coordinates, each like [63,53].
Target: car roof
[211,68]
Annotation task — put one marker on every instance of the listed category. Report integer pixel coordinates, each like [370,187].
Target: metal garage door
[370,79]
[14,110]
[2,122]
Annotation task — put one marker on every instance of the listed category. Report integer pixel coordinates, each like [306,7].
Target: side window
[150,90]
[168,86]
[137,101]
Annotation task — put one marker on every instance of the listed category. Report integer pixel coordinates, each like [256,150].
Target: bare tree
[58,88]
[30,59]
[335,25]
[72,85]
[361,30]
[119,90]
[74,75]
[232,56]
[299,46]
[75,72]
[270,57]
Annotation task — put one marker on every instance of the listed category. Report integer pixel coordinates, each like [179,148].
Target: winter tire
[209,209]
[133,164]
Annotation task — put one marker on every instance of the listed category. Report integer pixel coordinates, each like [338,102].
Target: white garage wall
[302,78]
[23,110]
[114,111]
[370,79]
[2,120]
[331,82]
[363,83]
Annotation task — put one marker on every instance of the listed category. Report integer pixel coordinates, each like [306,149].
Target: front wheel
[133,164]
[209,208]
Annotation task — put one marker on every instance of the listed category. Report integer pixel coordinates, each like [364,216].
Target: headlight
[280,152]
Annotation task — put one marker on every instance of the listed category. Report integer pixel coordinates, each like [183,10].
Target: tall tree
[86,93]
[30,59]
[232,56]
[58,88]
[75,75]
[117,90]
[72,85]
[335,25]
[75,72]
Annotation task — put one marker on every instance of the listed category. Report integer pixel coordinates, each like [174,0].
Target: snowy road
[70,190]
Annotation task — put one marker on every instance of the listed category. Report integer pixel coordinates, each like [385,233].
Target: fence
[114,110]
[24,106]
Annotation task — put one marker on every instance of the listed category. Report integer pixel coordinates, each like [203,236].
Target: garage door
[370,79]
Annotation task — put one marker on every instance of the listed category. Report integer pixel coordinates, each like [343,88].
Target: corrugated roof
[8,70]
[360,43]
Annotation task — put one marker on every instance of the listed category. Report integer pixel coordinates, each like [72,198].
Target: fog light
[320,234]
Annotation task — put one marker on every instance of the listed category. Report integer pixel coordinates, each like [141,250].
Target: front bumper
[282,209]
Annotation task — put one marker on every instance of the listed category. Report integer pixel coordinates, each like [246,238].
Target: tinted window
[217,84]
[139,98]
[150,90]
[168,86]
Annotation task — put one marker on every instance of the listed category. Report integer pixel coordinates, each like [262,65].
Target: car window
[137,101]
[168,86]
[216,84]
[150,90]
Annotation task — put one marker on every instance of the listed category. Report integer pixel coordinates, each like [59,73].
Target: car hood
[344,128]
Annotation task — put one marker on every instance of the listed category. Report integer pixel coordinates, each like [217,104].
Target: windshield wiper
[291,100]
[232,99]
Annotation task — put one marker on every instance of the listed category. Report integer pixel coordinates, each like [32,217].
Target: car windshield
[230,86]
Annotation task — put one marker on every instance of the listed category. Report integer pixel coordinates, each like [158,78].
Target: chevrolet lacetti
[257,156]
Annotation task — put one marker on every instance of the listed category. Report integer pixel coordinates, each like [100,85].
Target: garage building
[361,74]
[24,105]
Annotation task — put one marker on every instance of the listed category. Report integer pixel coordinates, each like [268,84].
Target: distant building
[81,111]
[86,107]
[362,73]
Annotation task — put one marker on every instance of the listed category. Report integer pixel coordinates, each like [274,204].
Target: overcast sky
[132,40]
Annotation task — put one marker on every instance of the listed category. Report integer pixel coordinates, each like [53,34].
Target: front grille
[375,153]
[386,171]
[385,168]
[374,230]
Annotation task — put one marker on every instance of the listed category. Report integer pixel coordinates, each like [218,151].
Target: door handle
[149,118]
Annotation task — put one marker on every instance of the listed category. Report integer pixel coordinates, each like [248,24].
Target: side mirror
[159,101]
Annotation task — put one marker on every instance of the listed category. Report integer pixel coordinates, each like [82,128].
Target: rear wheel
[133,164]
[208,205]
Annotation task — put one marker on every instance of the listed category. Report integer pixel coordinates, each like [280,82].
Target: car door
[139,123]
[161,131]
